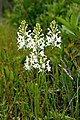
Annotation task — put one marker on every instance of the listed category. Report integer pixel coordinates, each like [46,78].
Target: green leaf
[11,75]
[77,18]
[68,30]
[70,27]
[64,22]
[73,20]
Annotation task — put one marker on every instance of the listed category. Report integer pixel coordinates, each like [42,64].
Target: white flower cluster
[35,42]
[52,37]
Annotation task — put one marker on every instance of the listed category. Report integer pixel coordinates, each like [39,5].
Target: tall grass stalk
[77,101]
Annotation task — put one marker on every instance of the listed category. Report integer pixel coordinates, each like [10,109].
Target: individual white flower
[43,66]
[41,43]
[33,59]
[48,40]
[58,42]
[28,34]
[40,69]
[42,53]
[34,49]
[30,43]
[21,41]
[26,64]
[48,66]
[36,66]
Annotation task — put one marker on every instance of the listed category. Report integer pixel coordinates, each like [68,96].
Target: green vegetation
[29,95]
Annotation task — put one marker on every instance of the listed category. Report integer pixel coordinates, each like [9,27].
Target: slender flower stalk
[35,42]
